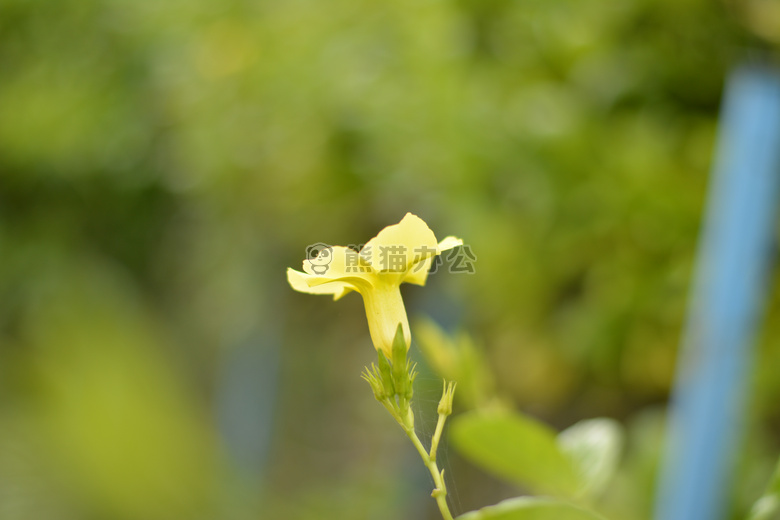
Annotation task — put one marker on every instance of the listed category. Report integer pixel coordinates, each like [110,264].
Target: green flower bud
[448,394]
[374,379]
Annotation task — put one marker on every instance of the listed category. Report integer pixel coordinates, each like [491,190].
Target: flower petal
[300,282]
[399,246]
[418,272]
[449,243]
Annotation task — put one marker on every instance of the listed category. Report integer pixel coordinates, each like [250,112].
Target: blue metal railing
[732,272]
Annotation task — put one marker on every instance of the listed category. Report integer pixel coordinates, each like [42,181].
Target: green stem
[437,436]
[394,391]
[440,492]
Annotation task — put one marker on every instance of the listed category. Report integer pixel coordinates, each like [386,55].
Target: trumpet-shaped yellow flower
[401,253]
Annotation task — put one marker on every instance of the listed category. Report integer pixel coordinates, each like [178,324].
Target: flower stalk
[393,387]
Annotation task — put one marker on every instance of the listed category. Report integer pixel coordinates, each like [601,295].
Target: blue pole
[734,258]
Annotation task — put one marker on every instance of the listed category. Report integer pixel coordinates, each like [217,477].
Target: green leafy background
[162,163]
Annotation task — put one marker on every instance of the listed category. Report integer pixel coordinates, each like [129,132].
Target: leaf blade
[518,448]
[531,508]
[594,447]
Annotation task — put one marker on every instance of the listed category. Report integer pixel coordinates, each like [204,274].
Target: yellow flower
[402,253]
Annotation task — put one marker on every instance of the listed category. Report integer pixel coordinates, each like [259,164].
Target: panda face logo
[319,257]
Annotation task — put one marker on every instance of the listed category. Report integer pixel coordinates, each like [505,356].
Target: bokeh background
[162,163]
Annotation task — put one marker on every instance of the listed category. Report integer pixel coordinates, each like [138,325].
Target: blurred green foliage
[161,163]
[531,508]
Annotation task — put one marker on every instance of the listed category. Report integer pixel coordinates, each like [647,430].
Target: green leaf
[531,508]
[457,358]
[594,448]
[768,506]
[517,448]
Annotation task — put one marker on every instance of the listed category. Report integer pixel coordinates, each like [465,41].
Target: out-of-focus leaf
[110,410]
[594,448]
[456,358]
[518,448]
[768,506]
[531,508]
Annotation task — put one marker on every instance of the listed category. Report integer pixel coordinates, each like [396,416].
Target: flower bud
[448,394]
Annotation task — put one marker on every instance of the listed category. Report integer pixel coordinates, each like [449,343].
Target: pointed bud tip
[448,395]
